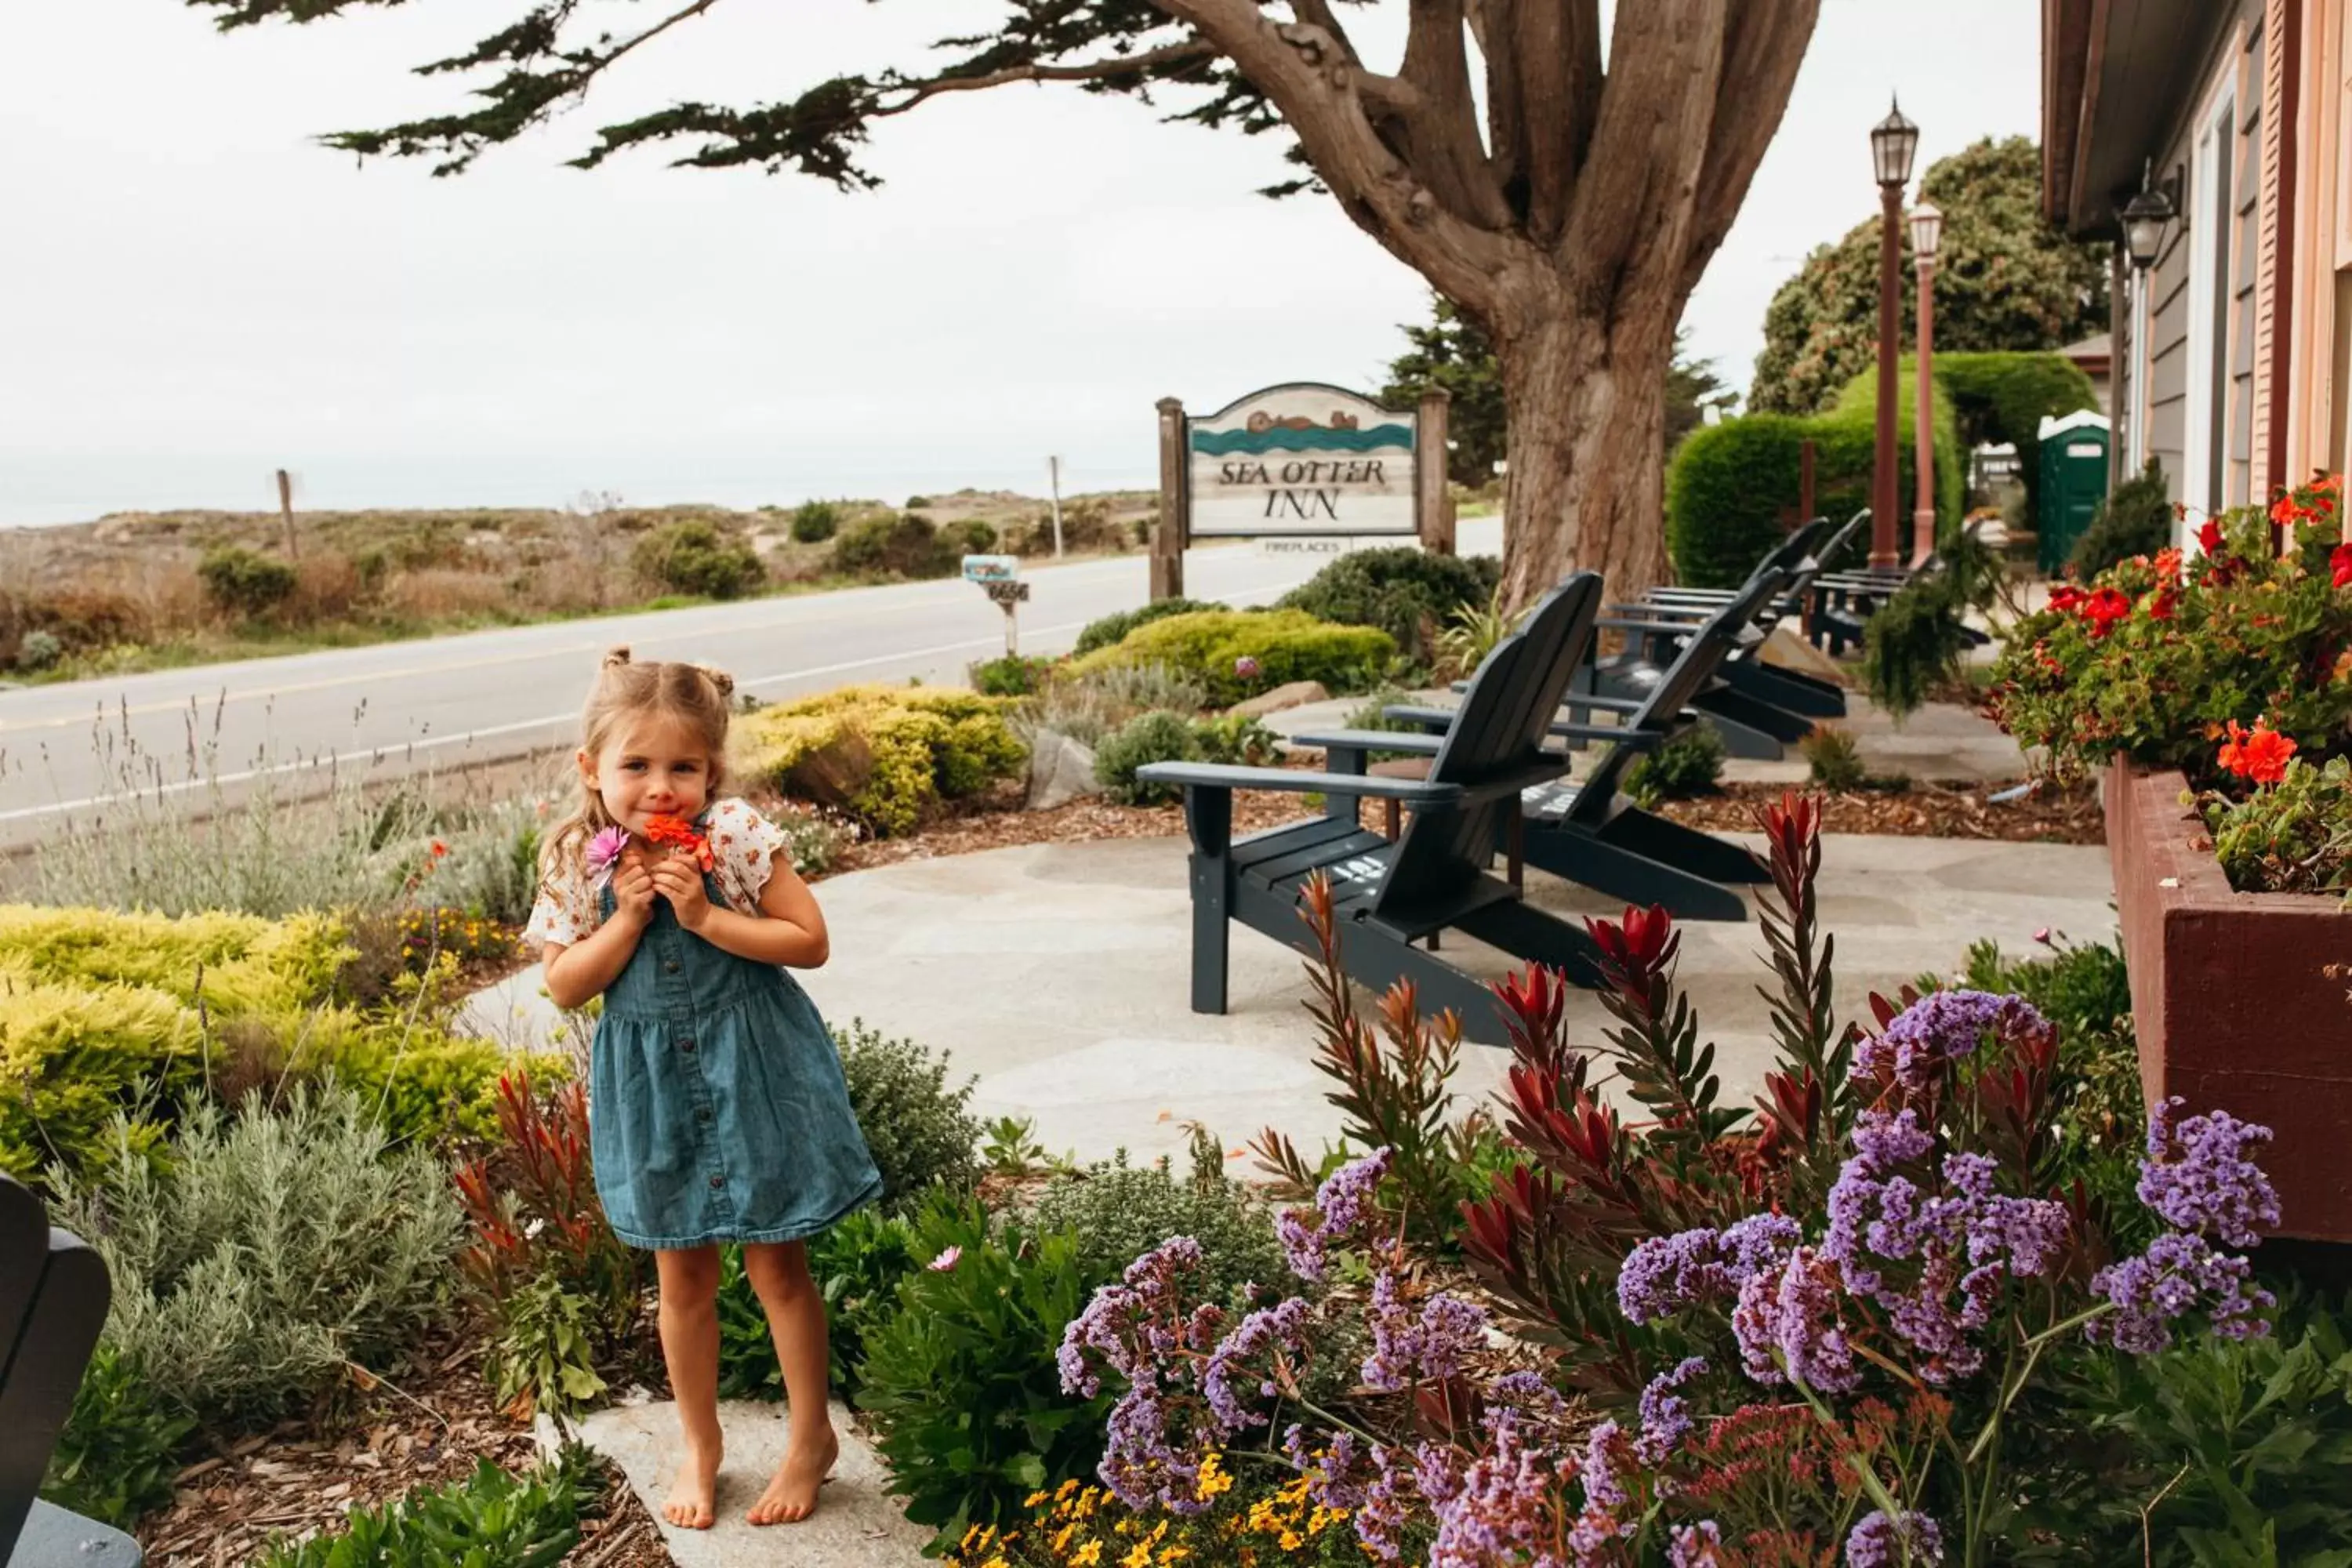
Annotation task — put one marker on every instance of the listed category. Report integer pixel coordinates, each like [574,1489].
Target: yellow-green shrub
[881,752]
[243,964]
[71,1055]
[1284,646]
[422,1085]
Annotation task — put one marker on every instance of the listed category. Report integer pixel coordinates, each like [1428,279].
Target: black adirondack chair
[1762,709]
[53,1298]
[1587,832]
[1841,603]
[1433,879]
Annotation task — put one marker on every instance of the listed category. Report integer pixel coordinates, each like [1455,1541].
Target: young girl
[718,1111]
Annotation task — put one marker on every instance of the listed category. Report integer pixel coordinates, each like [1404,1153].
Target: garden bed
[1962,809]
[2242,1001]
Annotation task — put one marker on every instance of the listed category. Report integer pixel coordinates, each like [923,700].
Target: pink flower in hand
[604,853]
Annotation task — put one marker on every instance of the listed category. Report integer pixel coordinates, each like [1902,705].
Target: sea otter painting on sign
[1303,458]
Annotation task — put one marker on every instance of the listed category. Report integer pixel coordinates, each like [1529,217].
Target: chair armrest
[1437,721]
[1220,775]
[1419,741]
[1632,740]
[1663,628]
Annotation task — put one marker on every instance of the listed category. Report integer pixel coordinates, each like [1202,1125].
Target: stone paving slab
[856,1524]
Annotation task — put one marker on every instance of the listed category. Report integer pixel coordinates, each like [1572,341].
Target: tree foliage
[1452,352]
[2005,279]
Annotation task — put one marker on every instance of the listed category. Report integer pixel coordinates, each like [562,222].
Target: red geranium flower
[2067,601]
[2339,565]
[2105,608]
[2259,753]
[2208,536]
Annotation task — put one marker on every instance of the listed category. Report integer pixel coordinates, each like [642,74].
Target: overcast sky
[193,292]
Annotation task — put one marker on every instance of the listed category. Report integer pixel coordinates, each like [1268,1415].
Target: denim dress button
[718,1182]
[686,1045]
[671,966]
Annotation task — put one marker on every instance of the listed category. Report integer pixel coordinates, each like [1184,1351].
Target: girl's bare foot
[694,1497]
[791,1491]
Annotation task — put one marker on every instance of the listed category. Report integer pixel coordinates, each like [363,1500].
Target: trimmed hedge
[1287,645]
[1404,590]
[1728,484]
[881,752]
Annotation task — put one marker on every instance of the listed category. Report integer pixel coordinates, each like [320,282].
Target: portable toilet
[2073,481]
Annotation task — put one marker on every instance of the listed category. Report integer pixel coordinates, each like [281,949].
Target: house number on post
[999,577]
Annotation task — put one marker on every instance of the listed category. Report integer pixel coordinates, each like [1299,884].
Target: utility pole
[285,511]
[1054,476]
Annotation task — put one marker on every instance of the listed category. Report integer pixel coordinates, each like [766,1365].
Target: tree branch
[1113,71]
[1764,46]
[1630,211]
[1440,119]
[1544,93]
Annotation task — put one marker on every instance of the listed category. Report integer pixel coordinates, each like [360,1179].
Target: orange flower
[677,833]
[2259,753]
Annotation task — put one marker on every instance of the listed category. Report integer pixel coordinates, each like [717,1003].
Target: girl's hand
[679,879]
[632,890]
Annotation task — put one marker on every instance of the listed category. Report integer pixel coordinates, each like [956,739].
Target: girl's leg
[779,1272]
[689,1337]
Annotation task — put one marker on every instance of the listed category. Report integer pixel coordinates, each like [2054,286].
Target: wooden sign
[1303,458]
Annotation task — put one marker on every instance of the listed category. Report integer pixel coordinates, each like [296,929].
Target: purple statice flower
[2201,1176]
[1666,1416]
[1406,1348]
[1603,1488]
[1343,1204]
[1331,1476]
[1385,1505]
[1667,1273]
[1528,1393]
[2173,1278]
[1909,1539]
[1279,1327]
[1141,1459]
[1936,1029]
[1122,1320]
[1495,1510]
[1697,1545]
[1790,1318]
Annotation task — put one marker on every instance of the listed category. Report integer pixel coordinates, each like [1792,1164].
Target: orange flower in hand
[2259,753]
[675,833]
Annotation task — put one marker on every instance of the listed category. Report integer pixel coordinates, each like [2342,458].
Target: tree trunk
[1585,485]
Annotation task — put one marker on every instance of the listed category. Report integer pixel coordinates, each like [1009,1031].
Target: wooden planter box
[2230,995]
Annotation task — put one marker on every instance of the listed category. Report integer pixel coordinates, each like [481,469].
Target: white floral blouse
[743,847]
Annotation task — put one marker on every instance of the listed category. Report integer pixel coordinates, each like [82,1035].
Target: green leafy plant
[1147,737]
[1471,633]
[490,1520]
[119,1450]
[2291,836]
[1833,758]
[1113,629]
[815,522]
[1237,654]
[694,557]
[241,582]
[961,1383]
[268,1254]
[920,1131]
[1237,739]
[1011,1150]
[1403,590]
[1687,764]
[1118,1212]
[1011,676]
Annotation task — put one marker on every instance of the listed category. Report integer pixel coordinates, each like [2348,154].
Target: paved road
[67,751]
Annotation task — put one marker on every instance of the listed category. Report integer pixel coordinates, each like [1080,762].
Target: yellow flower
[1141,1557]
[1292,1541]
[1033,1499]
[1087,1556]
[1174,1554]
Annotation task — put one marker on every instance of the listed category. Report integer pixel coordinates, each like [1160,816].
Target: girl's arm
[585,969]
[788,930]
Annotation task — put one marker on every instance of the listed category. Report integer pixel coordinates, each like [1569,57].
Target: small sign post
[999,577]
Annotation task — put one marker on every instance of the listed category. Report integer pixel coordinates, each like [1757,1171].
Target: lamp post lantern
[1927,234]
[1893,141]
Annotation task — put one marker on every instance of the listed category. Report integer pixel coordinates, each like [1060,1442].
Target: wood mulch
[429,1421]
[2048,815]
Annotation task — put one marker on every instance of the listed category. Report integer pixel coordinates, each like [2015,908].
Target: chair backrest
[1790,552]
[1838,541]
[53,1298]
[1701,654]
[1501,726]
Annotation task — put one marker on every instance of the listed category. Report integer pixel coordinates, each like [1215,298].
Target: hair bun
[617,655]
[718,679]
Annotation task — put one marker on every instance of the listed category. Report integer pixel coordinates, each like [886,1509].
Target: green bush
[1237,654]
[1113,629]
[695,557]
[971,537]
[856,1266]
[1404,590]
[265,1255]
[241,582]
[920,1131]
[38,650]
[120,1449]
[1833,758]
[1236,739]
[2002,398]
[76,1059]
[1690,763]
[490,1520]
[1089,706]
[961,1380]
[881,752]
[1120,1212]
[1011,676]
[905,546]
[815,522]
[1147,737]
[2136,519]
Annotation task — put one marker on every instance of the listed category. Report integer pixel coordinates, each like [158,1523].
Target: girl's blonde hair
[695,695]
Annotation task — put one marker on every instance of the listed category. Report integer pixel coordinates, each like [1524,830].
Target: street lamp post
[1926,233]
[1893,141]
